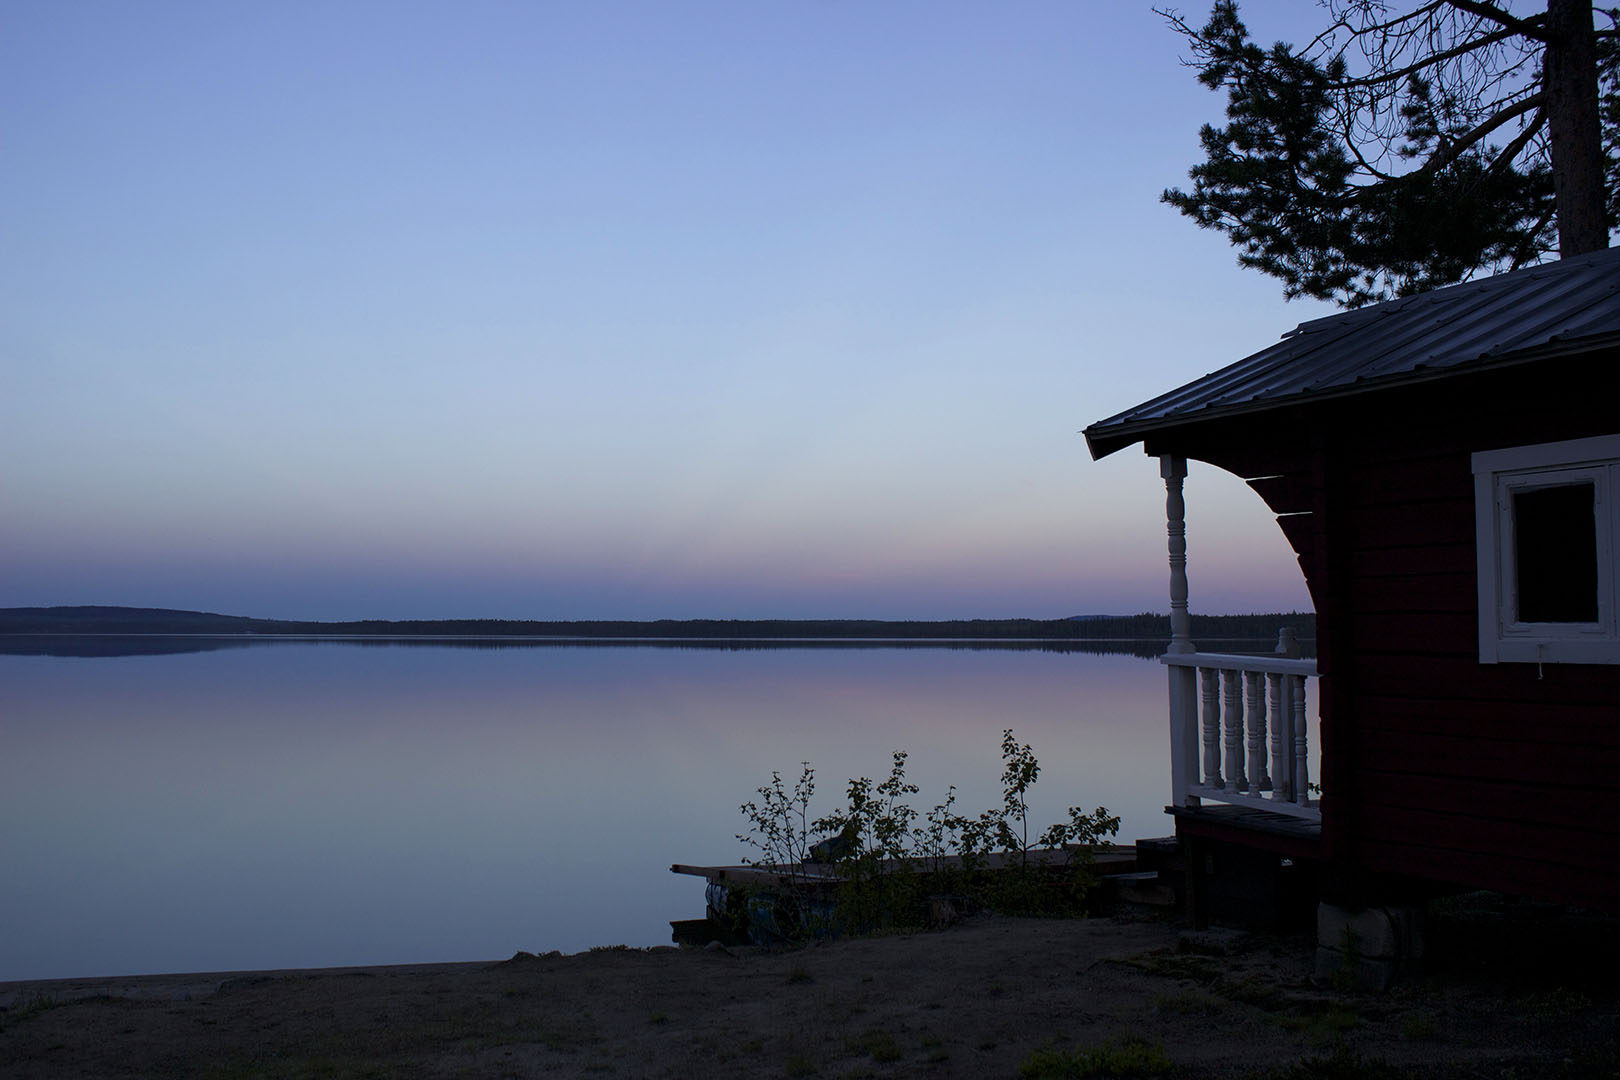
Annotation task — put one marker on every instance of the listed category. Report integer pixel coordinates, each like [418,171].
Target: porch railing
[1238,732]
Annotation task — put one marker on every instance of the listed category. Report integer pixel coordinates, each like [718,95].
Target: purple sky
[627,310]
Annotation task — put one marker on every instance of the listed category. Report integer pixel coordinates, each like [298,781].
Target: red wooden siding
[1434,765]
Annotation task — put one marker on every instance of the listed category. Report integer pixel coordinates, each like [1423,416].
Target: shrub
[887,863]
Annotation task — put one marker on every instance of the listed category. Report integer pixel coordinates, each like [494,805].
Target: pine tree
[1398,152]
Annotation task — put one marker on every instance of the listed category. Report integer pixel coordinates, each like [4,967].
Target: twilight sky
[621,309]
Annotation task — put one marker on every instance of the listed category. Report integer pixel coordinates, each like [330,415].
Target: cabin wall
[1436,766]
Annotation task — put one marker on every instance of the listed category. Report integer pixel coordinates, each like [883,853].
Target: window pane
[1555,553]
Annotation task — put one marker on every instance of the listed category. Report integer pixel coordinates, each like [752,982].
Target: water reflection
[298,804]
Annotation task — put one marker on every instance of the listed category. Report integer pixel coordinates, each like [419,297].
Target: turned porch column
[1174,471]
[1183,680]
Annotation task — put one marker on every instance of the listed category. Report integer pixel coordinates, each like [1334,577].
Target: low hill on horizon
[104,619]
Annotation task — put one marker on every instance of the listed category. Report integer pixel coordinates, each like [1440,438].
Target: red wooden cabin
[1447,468]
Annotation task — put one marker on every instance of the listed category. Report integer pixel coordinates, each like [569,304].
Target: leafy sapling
[781,825]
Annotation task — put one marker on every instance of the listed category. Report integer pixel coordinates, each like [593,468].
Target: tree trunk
[1572,124]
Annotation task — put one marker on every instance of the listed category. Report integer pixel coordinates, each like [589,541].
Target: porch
[1248,825]
[1239,734]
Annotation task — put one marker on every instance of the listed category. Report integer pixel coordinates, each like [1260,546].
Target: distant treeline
[1144,627]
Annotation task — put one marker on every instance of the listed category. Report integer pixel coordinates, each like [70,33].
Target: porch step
[1160,853]
[1156,880]
[1144,888]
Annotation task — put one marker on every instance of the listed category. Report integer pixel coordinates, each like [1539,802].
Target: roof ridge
[1449,293]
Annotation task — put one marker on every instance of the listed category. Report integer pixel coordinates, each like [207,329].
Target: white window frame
[1498,474]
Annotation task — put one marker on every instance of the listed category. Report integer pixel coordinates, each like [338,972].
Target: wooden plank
[810,874]
[1406,561]
[1303,533]
[1517,873]
[1512,407]
[1495,719]
[1411,478]
[1527,760]
[1447,833]
[1290,493]
[1450,594]
[1464,678]
[1431,634]
[1113,859]
[1231,443]
[1439,521]
[1289,838]
[1535,804]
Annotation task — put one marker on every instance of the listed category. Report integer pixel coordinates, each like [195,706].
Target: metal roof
[1565,306]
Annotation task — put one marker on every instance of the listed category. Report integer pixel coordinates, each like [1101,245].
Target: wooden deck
[1281,834]
[1107,862]
[1245,866]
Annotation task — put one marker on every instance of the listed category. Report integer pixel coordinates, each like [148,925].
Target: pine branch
[1531,28]
[1455,148]
[1512,150]
[1399,75]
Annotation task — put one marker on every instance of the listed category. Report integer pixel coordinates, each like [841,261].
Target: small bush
[889,866]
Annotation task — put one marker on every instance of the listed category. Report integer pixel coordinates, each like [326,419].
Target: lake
[298,803]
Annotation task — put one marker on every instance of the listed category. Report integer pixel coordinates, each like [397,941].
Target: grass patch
[1124,1060]
[1557,1003]
[1342,1064]
[384,1051]
[879,1044]
[1256,990]
[799,974]
[566,1039]
[800,1065]
[1191,1003]
[1169,964]
[1327,1026]
[31,1005]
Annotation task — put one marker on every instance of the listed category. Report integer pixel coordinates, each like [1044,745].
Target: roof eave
[1106,437]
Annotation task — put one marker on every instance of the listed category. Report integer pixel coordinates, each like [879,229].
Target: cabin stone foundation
[1369,948]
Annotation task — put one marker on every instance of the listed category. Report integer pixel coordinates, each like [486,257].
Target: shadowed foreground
[981,999]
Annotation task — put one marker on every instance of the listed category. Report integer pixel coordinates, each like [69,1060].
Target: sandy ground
[977,1000]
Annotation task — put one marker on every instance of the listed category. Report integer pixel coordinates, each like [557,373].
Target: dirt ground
[985,998]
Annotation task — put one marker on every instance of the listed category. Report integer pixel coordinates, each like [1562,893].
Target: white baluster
[1212,726]
[1183,734]
[1302,786]
[1255,722]
[1233,708]
[1281,744]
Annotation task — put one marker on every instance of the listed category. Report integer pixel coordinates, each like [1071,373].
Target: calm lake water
[304,803]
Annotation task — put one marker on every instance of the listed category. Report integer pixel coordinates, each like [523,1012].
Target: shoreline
[190,985]
[984,997]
